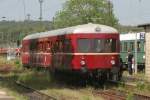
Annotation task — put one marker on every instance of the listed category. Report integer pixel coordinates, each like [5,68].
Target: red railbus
[89,48]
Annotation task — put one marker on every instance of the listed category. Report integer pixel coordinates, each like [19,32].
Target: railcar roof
[84,29]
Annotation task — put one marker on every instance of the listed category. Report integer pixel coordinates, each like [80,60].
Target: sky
[129,12]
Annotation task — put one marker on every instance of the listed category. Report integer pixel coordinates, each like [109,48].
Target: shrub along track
[113,94]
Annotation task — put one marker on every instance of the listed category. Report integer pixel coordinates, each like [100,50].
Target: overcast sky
[129,12]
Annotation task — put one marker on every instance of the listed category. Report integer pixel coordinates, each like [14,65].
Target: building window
[138,46]
[121,47]
[132,46]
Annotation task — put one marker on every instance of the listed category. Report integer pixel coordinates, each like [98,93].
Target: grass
[41,80]
[7,70]
[11,88]
[130,96]
[142,86]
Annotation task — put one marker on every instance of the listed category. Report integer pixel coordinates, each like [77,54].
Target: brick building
[147,49]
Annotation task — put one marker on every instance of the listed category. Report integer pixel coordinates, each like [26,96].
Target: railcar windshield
[84,45]
[97,45]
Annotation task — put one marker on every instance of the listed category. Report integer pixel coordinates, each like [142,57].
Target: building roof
[144,25]
[84,29]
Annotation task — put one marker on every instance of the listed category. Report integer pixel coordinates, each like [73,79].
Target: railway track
[113,94]
[30,93]
[110,95]
[141,97]
[33,94]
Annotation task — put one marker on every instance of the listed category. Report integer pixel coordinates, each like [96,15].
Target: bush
[130,96]
[140,86]
[18,64]
[37,79]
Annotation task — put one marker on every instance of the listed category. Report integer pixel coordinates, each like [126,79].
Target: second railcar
[127,42]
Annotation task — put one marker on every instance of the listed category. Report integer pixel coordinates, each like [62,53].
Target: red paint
[95,61]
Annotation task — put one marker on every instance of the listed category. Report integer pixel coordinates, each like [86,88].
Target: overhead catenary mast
[24,8]
[41,2]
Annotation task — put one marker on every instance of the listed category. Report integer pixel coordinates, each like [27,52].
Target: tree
[77,12]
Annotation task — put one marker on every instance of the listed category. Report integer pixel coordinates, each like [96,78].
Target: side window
[54,47]
[40,46]
[48,46]
[125,46]
[67,46]
[43,47]
[60,46]
[33,46]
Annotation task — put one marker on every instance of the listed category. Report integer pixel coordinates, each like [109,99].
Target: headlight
[82,62]
[112,62]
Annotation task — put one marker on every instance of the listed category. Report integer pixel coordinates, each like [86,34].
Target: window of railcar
[48,46]
[56,46]
[40,46]
[33,46]
[67,46]
[44,46]
[103,45]
[84,45]
[98,45]
[132,46]
[125,46]
[60,46]
[110,45]
[113,44]
[138,46]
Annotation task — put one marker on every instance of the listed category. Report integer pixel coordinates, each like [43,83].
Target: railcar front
[97,54]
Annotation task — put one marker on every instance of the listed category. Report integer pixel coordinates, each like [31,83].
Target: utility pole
[41,2]
[28,17]
[135,53]
[24,8]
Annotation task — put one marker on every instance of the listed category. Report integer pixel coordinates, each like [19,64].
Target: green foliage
[11,31]
[84,11]
[140,86]
[121,86]
[18,64]
[41,78]
[148,87]
[86,98]
[130,96]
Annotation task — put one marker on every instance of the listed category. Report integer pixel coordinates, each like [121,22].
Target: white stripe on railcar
[76,53]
